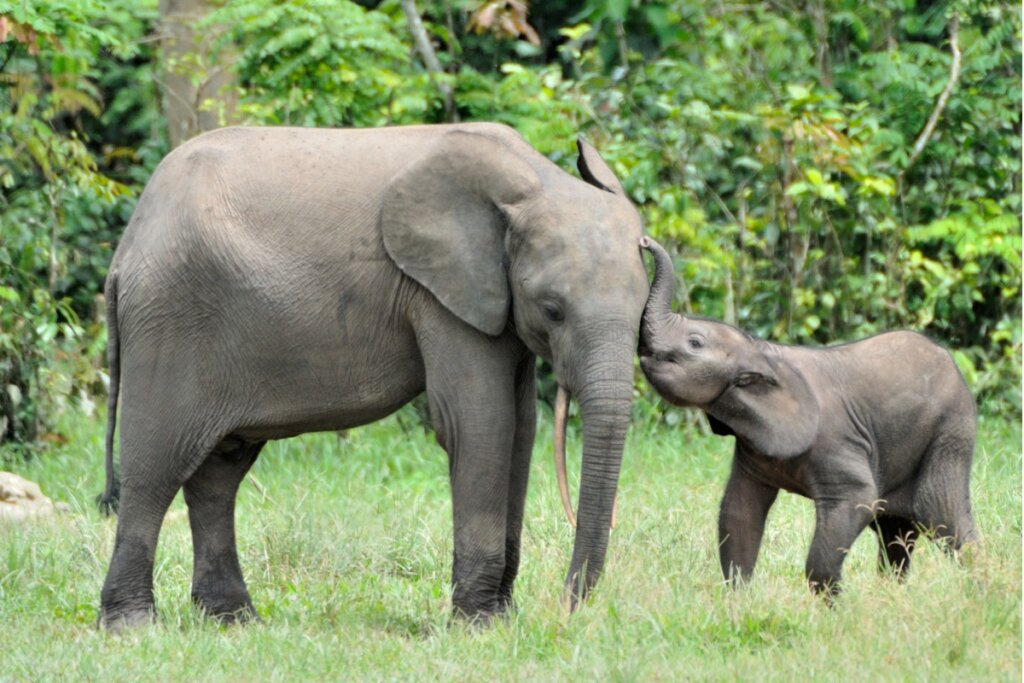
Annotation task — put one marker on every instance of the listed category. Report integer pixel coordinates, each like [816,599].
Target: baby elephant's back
[910,390]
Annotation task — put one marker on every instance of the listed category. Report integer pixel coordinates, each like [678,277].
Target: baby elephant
[877,432]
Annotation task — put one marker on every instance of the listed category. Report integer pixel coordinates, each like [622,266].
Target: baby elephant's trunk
[658,311]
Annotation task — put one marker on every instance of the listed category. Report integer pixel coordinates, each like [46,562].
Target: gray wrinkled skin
[877,432]
[276,281]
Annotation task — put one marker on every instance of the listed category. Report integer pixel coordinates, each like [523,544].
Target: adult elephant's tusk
[561,423]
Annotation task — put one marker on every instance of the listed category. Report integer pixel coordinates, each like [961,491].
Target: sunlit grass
[346,546]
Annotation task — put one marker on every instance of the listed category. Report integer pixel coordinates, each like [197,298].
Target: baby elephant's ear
[720,428]
[771,407]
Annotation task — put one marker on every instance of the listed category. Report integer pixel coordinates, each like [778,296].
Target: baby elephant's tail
[107,501]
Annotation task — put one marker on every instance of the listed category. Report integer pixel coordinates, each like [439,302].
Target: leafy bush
[60,199]
[771,151]
[319,63]
[774,149]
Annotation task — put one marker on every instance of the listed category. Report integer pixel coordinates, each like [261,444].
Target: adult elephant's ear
[770,406]
[593,169]
[444,217]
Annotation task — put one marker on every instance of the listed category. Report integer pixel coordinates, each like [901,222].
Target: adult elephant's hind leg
[217,584]
[154,464]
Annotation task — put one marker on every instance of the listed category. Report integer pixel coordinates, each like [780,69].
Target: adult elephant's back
[253,276]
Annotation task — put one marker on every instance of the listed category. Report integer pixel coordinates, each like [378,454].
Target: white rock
[21,499]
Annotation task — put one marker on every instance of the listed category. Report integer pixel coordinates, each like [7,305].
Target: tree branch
[940,104]
[11,47]
[426,51]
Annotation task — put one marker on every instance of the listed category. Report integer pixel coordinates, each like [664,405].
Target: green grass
[346,546]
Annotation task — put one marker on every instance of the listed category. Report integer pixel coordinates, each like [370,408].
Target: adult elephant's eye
[553,312]
[695,341]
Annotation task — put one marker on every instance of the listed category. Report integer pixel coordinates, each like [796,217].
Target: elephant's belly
[344,417]
[899,502]
[326,406]
[346,387]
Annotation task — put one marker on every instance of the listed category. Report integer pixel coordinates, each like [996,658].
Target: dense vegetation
[822,170]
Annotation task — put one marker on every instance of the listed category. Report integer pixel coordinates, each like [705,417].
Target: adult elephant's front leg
[519,471]
[471,387]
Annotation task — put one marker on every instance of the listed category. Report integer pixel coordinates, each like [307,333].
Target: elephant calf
[877,432]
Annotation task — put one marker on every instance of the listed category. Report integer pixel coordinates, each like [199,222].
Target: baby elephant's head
[744,385]
[692,361]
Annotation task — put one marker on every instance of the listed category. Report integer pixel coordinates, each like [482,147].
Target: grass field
[346,546]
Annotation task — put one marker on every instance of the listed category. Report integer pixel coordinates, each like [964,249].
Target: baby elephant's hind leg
[217,584]
[896,539]
[942,501]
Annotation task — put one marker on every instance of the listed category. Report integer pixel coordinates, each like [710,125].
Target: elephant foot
[828,591]
[117,621]
[481,617]
[480,620]
[227,609]
[506,605]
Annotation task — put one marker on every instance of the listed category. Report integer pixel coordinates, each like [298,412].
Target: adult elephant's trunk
[604,391]
[659,302]
[560,428]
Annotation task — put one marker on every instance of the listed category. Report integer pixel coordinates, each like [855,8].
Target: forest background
[821,170]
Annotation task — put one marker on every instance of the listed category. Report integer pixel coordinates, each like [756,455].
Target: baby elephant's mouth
[647,362]
[650,365]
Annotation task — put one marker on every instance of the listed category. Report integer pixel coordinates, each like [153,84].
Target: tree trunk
[197,95]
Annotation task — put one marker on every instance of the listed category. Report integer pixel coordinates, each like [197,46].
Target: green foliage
[768,146]
[769,150]
[320,63]
[57,194]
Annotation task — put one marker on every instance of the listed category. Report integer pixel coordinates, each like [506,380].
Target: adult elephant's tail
[107,501]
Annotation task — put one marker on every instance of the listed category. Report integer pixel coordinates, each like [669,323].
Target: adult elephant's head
[503,237]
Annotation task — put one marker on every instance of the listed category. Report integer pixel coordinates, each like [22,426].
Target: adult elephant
[276,281]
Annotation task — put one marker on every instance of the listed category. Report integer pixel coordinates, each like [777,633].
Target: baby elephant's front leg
[741,520]
[838,522]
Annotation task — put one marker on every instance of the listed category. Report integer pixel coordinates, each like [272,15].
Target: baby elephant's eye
[695,341]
